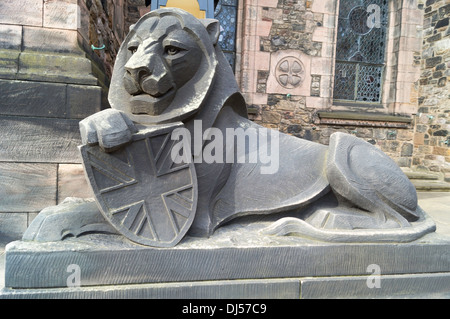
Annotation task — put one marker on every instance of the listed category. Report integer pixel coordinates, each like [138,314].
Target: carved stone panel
[290,73]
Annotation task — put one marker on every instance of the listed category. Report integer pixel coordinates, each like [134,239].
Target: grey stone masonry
[50,79]
[235,263]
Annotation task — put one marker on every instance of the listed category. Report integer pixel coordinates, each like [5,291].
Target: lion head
[165,67]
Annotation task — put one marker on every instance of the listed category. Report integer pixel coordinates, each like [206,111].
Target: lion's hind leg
[371,200]
[367,178]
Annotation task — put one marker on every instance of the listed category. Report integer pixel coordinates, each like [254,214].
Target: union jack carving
[141,191]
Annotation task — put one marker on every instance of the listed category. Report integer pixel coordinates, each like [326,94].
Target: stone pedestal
[236,262]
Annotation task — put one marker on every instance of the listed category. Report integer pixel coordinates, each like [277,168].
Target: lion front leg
[72,218]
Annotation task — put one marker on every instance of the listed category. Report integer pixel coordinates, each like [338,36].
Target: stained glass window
[226,13]
[360,50]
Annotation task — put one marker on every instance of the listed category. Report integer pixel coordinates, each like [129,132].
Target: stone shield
[141,190]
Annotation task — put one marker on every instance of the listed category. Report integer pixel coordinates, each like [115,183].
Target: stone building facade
[432,129]
[410,122]
[56,59]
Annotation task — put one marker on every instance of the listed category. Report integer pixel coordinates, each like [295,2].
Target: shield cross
[141,190]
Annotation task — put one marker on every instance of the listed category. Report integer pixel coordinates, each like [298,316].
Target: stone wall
[302,33]
[432,129]
[50,79]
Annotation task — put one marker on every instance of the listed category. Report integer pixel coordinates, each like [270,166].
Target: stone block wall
[432,129]
[50,79]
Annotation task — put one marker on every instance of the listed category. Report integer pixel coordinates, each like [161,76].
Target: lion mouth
[141,96]
[145,103]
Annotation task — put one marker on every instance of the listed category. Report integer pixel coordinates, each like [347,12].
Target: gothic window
[226,13]
[360,50]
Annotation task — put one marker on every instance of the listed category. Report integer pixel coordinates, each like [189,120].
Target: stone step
[421,175]
[431,185]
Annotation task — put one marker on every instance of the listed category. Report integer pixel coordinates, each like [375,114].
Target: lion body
[171,69]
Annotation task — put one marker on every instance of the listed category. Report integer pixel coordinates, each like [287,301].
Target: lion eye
[172,50]
[132,50]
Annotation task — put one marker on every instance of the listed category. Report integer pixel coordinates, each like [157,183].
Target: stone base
[434,285]
[236,262]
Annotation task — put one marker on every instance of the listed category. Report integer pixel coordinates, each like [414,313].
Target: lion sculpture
[170,73]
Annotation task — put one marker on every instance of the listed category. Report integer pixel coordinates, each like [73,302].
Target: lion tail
[291,226]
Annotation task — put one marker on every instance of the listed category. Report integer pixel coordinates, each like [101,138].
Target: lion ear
[213,28]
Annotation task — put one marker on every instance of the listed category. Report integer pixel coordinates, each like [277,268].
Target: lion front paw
[73,217]
[110,128]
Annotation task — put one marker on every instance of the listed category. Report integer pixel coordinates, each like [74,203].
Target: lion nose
[157,84]
[155,81]
[138,74]
[132,79]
